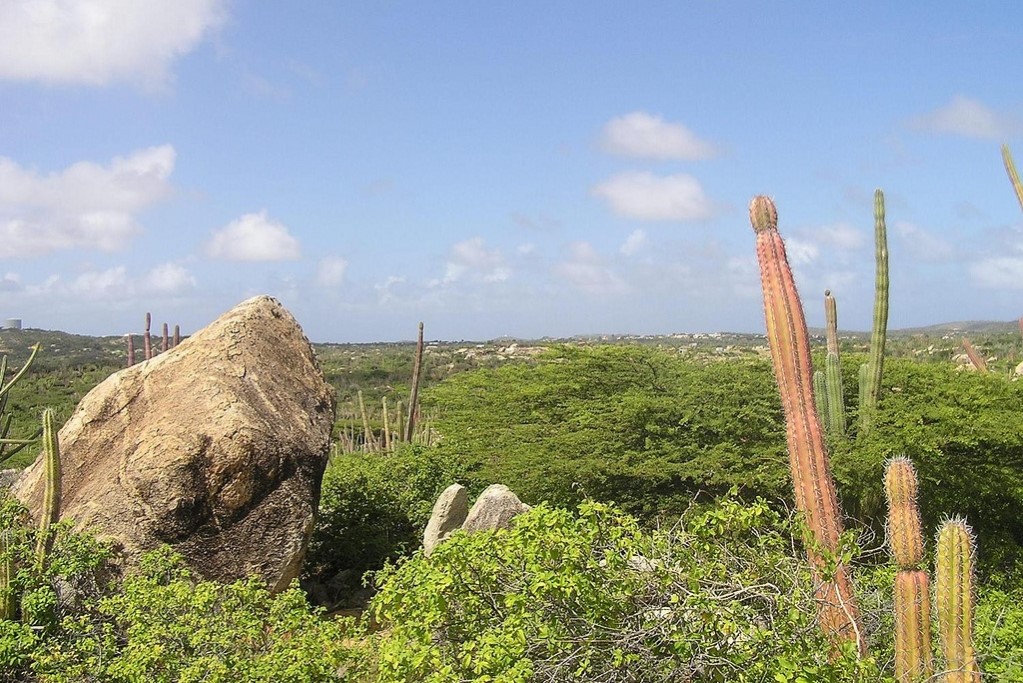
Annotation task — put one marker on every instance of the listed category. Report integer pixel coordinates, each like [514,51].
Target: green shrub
[374,507]
[164,626]
[592,597]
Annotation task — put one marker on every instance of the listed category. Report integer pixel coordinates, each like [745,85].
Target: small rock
[494,509]
[449,512]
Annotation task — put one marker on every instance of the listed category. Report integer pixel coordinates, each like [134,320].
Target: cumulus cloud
[84,206]
[104,284]
[645,136]
[999,272]
[969,118]
[585,270]
[330,272]
[801,252]
[923,244]
[648,197]
[471,258]
[10,282]
[635,242]
[253,237]
[168,278]
[97,42]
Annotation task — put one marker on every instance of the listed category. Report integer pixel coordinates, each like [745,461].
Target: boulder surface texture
[494,509]
[449,512]
[216,447]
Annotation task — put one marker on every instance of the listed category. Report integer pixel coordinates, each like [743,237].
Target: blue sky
[524,169]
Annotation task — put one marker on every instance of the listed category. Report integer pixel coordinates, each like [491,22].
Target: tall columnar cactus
[835,420]
[976,359]
[165,343]
[6,576]
[413,401]
[1010,168]
[50,512]
[131,350]
[953,601]
[177,335]
[820,395]
[871,393]
[808,459]
[912,592]
[147,340]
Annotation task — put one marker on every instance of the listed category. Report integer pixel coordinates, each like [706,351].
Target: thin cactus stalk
[131,350]
[813,485]
[50,511]
[147,341]
[953,601]
[862,375]
[177,335]
[11,447]
[367,434]
[835,413]
[1010,168]
[387,428]
[820,395]
[912,584]
[400,421]
[413,401]
[165,343]
[875,365]
[6,576]
[975,358]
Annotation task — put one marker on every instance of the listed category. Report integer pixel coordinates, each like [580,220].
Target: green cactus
[871,393]
[413,401]
[953,601]
[6,576]
[912,600]
[808,458]
[835,413]
[50,511]
[820,395]
[9,447]
[1010,168]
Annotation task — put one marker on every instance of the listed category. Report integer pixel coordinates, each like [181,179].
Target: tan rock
[216,447]
[494,509]
[449,512]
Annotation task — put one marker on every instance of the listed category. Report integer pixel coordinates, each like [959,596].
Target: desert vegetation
[705,508]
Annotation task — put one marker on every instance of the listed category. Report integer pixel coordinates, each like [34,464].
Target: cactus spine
[50,512]
[953,600]
[835,415]
[812,482]
[871,393]
[1010,168]
[912,591]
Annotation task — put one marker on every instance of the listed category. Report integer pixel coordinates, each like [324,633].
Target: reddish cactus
[912,592]
[975,358]
[808,459]
[147,339]
[165,344]
[131,350]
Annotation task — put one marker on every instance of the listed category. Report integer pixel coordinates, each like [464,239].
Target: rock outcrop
[494,509]
[449,512]
[216,447]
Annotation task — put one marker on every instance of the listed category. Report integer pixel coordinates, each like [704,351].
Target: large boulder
[216,447]
[494,509]
[449,512]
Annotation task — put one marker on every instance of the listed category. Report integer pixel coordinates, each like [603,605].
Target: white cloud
[471,258]
[923,244]
[96,42]
[10,282]
[331,271]
[644,136]
[840,235]
[999,272]
[168,278]
[635,242]
[85,206]
[253,237]
[585,270]
[648,197]
[105,284]
[969,118]
[800,252]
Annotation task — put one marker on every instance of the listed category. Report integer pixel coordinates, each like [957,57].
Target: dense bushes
[592,597]
[642,427]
